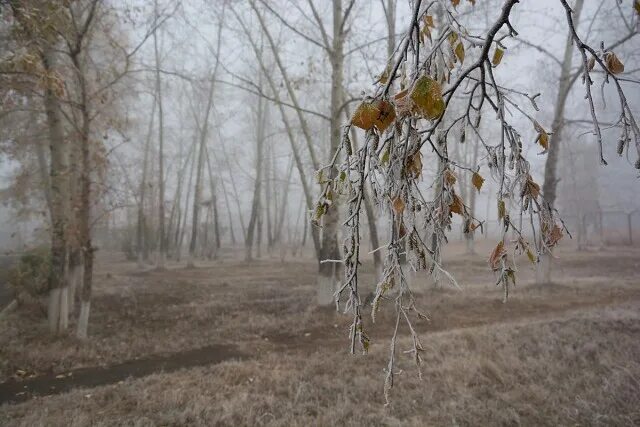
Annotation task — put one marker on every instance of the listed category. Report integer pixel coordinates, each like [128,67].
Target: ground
[231,343]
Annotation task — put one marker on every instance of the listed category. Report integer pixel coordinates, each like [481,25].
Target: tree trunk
[58,314]
[328,271]
[257,186]
[140,228]
[161,237]
[549,187]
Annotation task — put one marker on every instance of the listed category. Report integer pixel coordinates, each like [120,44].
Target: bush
[29,278]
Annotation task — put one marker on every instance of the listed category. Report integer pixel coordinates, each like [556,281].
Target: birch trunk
[58,314]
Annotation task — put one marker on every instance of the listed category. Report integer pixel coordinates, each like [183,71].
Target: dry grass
[579,369]
[554,355]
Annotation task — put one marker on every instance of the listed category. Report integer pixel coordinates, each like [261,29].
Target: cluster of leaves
[412,108]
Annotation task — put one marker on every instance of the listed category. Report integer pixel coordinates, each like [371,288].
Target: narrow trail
[19,391]
[16,391]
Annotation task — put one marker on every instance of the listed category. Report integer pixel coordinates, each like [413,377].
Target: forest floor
[243,344]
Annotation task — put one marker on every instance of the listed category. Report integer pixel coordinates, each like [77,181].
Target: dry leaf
[459,51]
[553,237]
[496,256]
[414,164]
[386,115]
[449,177]
[613,63]
[477,180]
[427,95]
[531,256]
[404,104]
[456,205]
[497,56]
[531,188]
[365,116]
[398,205]
[502,209]
[384,77]
[591,63]
[636,6]
[543,136]
[455,3]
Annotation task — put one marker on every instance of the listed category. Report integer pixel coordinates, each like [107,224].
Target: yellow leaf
[543,136]
[457,46]
[459,51]
[398,205]
[365,116]
[427,95]
[502,210]
[386,115]
[636,6]
[613,63]
[477,180]
[531,256]
[497,56]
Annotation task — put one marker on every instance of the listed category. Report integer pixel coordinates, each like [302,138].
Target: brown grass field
[230,343]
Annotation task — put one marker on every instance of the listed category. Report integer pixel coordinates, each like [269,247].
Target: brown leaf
[496,256]
[636,6]
[386,115]
[455,3]
[365,116]
[456,205]
[543,136]
[477,180]
[591,63]
[414,164]
[553,236]
[449,177]
[531,188]
[398,205]
[613,63]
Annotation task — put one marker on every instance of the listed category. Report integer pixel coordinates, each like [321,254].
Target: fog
[220,149]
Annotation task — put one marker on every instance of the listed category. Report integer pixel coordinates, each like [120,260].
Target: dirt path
[19,391]
[14,391]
